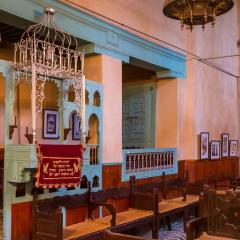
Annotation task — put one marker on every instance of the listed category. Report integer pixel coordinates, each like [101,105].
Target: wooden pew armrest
[193,226]
[111,208]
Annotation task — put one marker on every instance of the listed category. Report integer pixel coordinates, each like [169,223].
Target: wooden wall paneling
[1,153]
[200,170]
[122,205]
[112,175]
[181,173]
[21,221]
[75,215]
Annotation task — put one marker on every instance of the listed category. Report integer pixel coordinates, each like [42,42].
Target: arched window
[95,181]
[96,99]
[86,97]
[84,182]
[93,132]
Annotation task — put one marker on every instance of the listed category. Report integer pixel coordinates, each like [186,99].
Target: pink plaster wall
[112,109]
[166,114]
[207,99]
[145,16]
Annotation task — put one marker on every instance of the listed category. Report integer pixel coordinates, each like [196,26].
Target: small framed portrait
[76,126]
[233,149]
[204,144]
[50,124]
[215,149]
[225,144]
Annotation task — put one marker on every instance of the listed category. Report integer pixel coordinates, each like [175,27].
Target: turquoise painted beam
[170,74]
[95,49]
[108,39]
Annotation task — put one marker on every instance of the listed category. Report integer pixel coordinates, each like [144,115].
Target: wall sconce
[29,136]
[12,127]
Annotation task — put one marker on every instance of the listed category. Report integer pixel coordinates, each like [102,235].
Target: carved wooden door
[139,116]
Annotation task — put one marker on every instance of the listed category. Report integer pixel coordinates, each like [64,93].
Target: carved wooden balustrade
[148,161]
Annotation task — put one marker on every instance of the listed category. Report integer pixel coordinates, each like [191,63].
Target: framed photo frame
[50,124]
[215,149]
[233,149]
[76,127]
[204,145]
[225,144]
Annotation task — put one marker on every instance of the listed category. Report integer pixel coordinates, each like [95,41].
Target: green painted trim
[169,74]
[112,163]
[95,49]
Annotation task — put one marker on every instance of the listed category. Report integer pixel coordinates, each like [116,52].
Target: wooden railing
[147,161]
[94,154]
[140,162]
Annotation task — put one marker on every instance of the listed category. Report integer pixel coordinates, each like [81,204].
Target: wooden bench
[219,216]
[109,235]
[48,218]
[171,206]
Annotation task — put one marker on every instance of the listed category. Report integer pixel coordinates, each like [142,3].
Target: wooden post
[83,112]
[34,102]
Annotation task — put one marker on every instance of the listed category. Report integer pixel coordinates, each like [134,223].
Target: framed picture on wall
[50,124]
[215,149]
[76,127]
[204,144]
[225,144]
[233,152]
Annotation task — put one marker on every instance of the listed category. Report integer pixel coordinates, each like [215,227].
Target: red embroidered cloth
[59,165]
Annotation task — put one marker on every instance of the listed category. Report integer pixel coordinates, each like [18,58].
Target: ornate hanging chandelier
[196,12]
[45,52]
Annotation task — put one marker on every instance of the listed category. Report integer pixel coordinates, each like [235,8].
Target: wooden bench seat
[168,207]
[129,216]
[48,217]
[86,228]
[109,235]
[205,236]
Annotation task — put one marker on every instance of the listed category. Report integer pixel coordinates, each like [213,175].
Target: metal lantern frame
[46,52]
[196,12]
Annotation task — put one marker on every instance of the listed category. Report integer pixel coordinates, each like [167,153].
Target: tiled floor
[177,233]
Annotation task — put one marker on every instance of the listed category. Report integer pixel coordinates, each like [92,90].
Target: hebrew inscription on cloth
[59,168]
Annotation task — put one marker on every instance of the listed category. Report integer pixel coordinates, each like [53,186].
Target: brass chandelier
[196,12]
